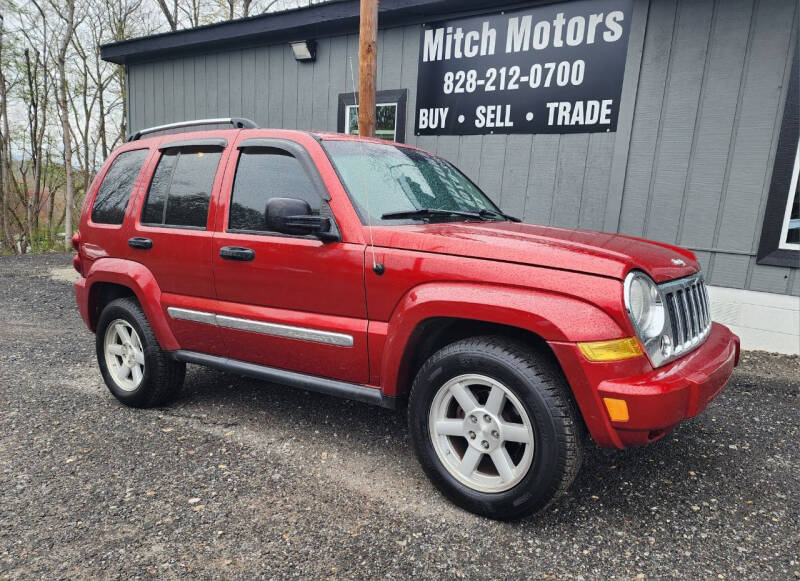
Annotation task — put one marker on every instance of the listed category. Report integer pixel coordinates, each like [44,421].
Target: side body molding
[140,280]
[551,316]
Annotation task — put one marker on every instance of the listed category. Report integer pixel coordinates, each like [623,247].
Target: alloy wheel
[124,355]
[481,433]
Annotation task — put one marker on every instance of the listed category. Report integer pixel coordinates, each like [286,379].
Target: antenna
[377,268]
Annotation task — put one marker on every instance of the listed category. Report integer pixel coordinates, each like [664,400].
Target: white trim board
[763,321]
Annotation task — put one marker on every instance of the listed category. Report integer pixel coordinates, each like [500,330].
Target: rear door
[297,303]
[172,237]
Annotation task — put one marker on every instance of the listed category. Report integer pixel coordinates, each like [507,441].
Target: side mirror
[293,216]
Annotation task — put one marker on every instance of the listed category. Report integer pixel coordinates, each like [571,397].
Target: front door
[290,302]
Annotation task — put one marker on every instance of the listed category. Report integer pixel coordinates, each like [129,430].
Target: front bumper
[657,399]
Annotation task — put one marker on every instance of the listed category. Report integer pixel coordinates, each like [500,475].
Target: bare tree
[83,100]
[121,19]
[66,12]
[38,93]
[231,8]
[281,5]
[63,109]
[96,78]
[4,139]
[191,12]
[170,14]
[34,95]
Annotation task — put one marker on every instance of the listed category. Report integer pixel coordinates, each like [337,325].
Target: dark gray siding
[689,164]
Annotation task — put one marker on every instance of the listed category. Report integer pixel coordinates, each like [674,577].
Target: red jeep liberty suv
[376,271]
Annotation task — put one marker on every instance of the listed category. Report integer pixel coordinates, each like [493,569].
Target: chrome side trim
[273,329]
[287,331]
[190,315]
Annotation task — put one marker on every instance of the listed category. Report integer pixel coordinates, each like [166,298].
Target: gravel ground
[242,479]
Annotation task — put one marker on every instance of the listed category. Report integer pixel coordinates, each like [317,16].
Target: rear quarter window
[115,191]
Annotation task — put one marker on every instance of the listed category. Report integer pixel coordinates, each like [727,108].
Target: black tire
[538,383]
[162,377]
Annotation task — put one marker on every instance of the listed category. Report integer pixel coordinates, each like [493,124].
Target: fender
[551,316]
[141,281]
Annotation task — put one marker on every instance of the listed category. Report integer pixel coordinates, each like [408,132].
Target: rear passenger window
[115,191]
[181,187]
[262,174]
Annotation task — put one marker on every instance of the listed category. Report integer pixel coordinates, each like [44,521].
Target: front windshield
[385,179]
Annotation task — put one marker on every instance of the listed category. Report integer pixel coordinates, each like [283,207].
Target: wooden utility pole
[367,67]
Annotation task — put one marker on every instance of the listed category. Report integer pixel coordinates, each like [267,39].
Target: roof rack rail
[236,122]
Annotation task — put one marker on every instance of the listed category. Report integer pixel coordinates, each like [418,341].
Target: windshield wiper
[427,212]
[500,214]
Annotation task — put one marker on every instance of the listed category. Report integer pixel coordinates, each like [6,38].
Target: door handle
[237,253]
[140,243]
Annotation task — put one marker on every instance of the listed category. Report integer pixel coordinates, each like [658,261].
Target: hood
[599,253]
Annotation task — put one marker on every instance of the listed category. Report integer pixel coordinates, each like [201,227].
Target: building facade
[686,131]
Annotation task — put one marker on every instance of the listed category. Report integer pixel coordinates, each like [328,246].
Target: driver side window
[263,174]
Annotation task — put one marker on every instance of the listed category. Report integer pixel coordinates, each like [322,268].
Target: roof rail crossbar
[236,122]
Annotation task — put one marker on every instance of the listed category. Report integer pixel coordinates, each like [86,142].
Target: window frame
[398,97]
[302,155]
[790,201]
[134,187]
[217,145]
[772,249]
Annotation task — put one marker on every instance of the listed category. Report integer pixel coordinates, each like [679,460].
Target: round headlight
[644,305]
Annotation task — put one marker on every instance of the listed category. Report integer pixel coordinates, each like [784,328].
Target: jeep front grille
[689,316]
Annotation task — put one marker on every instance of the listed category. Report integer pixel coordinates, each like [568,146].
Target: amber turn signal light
[613,350]
[617,409]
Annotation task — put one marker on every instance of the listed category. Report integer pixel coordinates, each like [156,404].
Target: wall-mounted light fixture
[304,50]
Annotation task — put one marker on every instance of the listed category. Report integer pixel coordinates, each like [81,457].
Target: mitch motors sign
[551,69]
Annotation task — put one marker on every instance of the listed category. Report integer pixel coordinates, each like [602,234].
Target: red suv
[376,271]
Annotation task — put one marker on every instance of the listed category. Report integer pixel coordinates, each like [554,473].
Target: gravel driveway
[242,479]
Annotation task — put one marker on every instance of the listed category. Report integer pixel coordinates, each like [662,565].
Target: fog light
[617,409]
[613,350]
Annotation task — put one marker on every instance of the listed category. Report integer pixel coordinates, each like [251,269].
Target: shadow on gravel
[251,402]
[689,467]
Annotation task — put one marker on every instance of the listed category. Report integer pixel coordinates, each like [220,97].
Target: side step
[333,387]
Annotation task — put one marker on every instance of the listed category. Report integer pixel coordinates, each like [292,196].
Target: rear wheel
[135,368]
[124,355]
[494,427]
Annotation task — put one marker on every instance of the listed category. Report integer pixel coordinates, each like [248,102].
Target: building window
[780,235]
[390,109]
[385,121]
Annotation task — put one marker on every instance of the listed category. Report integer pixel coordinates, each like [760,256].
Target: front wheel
[494,427]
